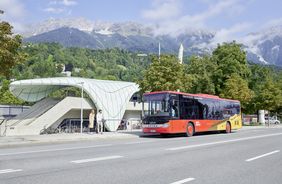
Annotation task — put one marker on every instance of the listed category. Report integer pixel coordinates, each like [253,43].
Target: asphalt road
[246,156]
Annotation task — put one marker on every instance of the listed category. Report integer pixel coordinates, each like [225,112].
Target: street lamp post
[81,108]
[142,113]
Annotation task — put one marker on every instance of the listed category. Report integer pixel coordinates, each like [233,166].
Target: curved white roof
[110,96]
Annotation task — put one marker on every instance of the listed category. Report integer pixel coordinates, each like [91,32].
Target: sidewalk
[261,126]
[9,141]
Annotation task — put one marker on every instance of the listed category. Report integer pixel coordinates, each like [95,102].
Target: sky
[229,18]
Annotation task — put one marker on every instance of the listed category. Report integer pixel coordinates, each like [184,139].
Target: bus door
[174,106]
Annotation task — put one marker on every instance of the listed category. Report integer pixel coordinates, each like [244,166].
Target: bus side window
[186,108]
[174,108]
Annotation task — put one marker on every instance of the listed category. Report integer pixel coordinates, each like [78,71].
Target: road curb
[13,141]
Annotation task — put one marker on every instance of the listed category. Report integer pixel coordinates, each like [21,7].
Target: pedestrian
[91,120]
[100,121]
[95,124]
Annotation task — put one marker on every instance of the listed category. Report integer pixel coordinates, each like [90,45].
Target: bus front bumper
[160,128]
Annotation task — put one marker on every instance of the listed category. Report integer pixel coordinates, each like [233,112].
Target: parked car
[272,120]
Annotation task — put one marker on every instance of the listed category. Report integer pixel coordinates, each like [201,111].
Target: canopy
[109,96]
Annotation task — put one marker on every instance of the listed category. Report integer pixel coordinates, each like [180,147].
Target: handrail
[31,112]
[25,115]
[46,106]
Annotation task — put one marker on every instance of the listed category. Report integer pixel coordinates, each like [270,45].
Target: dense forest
[48,59]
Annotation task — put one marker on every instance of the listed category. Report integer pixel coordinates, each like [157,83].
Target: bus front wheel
[190,130]
[228,128]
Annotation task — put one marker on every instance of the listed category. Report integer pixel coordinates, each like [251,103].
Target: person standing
[100,121]
[91,120]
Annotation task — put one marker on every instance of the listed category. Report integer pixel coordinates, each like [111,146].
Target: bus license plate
[152,130]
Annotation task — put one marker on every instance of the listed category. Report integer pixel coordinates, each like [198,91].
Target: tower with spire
[180,54]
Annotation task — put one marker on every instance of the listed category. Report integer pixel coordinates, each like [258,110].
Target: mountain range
[263,47]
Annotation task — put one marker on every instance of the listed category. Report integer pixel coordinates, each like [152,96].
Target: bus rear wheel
[190,130]
[228,128]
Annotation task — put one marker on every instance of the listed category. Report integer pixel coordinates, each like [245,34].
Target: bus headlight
[166,125]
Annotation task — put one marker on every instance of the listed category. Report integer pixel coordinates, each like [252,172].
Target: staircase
[44,114]
[35,111]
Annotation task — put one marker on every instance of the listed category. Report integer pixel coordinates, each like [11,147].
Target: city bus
[170,112]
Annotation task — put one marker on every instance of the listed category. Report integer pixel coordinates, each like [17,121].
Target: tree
[9,49]
[200,70]
[259,75]
[266,82]
[45,67]
[237,88]
[6,97]
[230,59]
[269,96]
[165,73]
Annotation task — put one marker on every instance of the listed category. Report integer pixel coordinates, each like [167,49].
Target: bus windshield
[158,104]
[162,105]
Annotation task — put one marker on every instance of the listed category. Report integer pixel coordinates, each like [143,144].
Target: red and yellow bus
[172,112]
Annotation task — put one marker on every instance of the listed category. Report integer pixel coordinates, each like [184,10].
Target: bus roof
[193,95]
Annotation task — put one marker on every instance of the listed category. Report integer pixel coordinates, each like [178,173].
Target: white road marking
[9,171]
[264,155]
[222,142]
[247,131]
[96,159]
[158,140]
[176,139]
[183,181]
[51,150]
[139,142]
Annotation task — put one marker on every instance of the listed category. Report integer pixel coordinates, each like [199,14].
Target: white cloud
[170,19]
[54,10]
[14,12]
[12,8]
[53,3]
[250,40]
[69,2]
[266,31]
[230,34]
[162,10]
[212,11]
[273,23]
[60,6]
[63,2]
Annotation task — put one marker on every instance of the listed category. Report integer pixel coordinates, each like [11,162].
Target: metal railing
[73,126]
[130,125]
[67,126]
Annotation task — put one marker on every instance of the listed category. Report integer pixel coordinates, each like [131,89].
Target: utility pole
[81,108]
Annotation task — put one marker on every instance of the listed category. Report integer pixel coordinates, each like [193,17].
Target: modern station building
[116,99]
